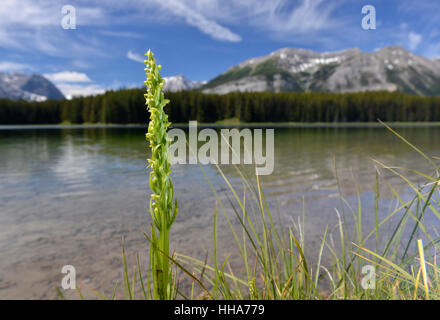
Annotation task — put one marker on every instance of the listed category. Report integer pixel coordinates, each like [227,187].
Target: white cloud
[29,25]
[73,84]
[414,40]
[35,25]
[68,76]
[281,19]
[75,90]
[198,19]
[135,56]
[13,66]
[310,15]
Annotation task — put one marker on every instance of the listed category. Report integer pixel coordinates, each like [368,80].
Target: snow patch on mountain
[29,87]
[180,83]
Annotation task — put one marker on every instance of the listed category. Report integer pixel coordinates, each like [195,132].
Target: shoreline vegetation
[227,124]
[125,106]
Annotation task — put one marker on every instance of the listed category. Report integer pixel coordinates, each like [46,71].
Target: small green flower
[162,209]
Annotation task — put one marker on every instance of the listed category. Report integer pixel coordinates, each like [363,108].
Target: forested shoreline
[128,106]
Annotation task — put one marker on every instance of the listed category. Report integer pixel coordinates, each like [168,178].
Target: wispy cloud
[29,25]
[308,16]
[281,19]
[135,56]
[68,76]
[414,40]
[198,19]
[13,66]
[423,16]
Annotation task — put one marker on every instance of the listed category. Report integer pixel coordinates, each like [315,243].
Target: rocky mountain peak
[291,69]
[30,87]
[180,82]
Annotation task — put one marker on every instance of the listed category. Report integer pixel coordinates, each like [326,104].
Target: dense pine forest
[128,106]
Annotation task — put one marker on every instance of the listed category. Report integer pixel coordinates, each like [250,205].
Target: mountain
[179,83]
[390,68]
[21,86]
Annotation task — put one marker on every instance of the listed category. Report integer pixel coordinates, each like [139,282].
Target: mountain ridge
[180,82]
[391,68]
[29,87]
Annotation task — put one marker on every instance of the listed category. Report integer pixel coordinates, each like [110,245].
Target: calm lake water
[68,196]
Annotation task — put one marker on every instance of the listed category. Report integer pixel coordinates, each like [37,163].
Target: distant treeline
[128,106]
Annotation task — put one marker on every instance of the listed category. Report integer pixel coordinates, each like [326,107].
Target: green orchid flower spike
[162,207]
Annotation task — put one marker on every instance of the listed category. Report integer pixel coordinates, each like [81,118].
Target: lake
[69,195]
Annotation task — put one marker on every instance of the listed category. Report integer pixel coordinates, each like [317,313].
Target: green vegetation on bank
[127,106]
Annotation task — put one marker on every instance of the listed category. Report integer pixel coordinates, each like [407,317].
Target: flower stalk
[162,208]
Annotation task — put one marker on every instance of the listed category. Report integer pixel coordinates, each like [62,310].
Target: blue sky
[196,38]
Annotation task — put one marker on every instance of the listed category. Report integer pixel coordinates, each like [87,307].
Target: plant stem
[162,209]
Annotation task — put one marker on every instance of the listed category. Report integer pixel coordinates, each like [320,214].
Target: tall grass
[277,264]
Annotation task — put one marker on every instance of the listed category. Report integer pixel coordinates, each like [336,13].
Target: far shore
[226,124]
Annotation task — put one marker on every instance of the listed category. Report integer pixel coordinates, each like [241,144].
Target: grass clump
[277,264]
